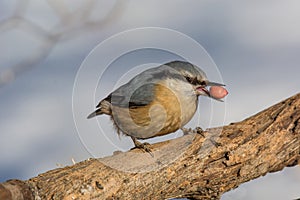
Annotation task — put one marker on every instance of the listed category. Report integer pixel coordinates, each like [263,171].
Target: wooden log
[195,166]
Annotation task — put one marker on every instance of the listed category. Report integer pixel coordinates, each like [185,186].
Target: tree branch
[190,166]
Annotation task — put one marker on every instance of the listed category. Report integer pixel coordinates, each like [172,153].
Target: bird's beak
[201,90]
[214,84]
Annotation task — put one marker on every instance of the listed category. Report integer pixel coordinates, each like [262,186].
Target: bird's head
[198,79]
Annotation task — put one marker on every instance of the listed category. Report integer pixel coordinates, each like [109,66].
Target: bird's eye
[203,83]
[189,79]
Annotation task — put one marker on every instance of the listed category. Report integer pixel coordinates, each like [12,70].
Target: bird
[158,101]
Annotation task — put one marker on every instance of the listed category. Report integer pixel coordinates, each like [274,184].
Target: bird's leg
[186,130]
[197,130]
[144,146]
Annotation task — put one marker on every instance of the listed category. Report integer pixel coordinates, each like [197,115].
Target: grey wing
[139,91]
[129,96]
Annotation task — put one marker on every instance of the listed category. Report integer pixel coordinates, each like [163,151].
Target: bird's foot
[197,130]
[186,131]
[143,146]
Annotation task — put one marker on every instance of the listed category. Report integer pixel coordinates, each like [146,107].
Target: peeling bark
[190,166]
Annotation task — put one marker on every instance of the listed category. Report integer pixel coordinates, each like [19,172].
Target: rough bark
[196,166]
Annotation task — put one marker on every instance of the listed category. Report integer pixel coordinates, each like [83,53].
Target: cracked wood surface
[190,166]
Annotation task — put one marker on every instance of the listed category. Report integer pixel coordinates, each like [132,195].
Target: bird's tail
[95,113]
[104,107]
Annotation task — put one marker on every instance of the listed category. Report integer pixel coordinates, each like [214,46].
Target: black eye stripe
[202,83]
[189,79]
[194,81]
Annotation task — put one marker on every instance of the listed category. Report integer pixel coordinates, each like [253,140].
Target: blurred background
[45,45]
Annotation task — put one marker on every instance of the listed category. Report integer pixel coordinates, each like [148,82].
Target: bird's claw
[143,146]
[197,130]
[186,131]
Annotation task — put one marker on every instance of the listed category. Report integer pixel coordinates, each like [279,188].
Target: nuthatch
[158,101]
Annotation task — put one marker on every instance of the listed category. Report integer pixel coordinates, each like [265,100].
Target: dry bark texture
[194,166]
